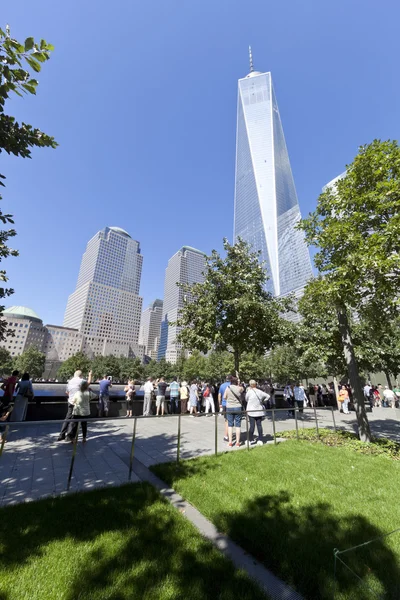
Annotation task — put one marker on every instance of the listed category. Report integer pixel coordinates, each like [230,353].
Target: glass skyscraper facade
[186,266]
[150,327]
[266,205]
[106,306]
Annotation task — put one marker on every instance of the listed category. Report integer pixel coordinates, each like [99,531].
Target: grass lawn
[290,505]
[121,543]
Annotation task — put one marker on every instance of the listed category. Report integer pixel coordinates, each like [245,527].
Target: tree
[77,362]
[356,228]
[31,361]
[195,367]
[130,368]
[231,310]
[6,362]
[17,138]
[219,365]
[254,366]
[106,365]
[285,364]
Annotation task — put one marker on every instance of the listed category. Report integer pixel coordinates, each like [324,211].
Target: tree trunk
[336,388]
[236,355]
[364,432]
[389,381]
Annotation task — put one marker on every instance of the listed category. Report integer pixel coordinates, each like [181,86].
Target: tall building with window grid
[266,207]
[105,306]
[150,327]
[186,266]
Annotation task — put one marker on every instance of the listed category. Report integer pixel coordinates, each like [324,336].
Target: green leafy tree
[356,229]
[232,310]
[77,362]
[130,368]
[195,367]
[6,362]
[254,366]
[160,368]
[31,361]
[219,365]
[17,138]
[106,365]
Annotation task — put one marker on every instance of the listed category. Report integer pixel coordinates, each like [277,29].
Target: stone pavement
[35,465]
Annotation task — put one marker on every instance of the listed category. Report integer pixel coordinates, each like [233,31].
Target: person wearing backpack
[256,411]
[208,392]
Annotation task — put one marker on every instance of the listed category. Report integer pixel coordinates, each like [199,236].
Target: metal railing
[246,414]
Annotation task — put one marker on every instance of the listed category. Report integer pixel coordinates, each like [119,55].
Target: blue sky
[141,97]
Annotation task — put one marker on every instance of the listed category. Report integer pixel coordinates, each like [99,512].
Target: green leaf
[40,56]
[33,63]
[29,43]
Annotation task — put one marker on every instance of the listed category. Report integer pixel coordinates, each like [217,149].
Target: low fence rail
[296,411]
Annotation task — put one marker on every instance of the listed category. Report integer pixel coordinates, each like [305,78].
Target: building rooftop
[119,230]
[193,250]
[21,311]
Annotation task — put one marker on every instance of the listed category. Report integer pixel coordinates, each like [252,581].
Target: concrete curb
[272,585]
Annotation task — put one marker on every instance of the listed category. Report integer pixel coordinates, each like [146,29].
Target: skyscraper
[150,327]
[106,305]
[186,266]
[266,205]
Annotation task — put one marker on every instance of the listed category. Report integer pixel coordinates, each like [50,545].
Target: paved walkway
[35,465]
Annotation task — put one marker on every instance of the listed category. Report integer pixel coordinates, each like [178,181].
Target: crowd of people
[231,399]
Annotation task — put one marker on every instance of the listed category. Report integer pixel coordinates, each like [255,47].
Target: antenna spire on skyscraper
[251,60]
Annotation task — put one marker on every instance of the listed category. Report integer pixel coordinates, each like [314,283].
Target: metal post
[132,449]
[178,450]
[316,421]
[216,433]
[297,425]
[73,456]
[273,425]
[4,436]
[333,419]
[247,431]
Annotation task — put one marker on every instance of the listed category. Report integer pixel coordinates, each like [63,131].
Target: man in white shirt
[73,386]
[389,396]
[148,390]
[299,396]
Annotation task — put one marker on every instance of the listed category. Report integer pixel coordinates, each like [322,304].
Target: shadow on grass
[298,544]
[128,543]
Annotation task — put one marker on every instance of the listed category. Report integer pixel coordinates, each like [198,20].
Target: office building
[333,182]
[266,206]
[186,266]
[105,306]
[26,330]
[150,327]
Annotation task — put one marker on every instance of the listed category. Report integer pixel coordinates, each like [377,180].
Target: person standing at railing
[299,396]
[24,391]
[344,399]
[104,396]
[174,396]
[256,411]
[130,393]
[232,396]
[148,389]
[184,393]
[81,408]
[208,394]
[193,398]
[160,398]
[222,404]
[73,386]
